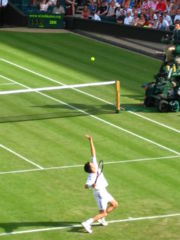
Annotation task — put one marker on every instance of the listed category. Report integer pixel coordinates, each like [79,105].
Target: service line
[81,165]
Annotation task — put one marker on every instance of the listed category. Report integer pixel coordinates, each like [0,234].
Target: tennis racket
[100,170]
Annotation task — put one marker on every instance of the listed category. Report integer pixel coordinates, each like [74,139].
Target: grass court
[43,146]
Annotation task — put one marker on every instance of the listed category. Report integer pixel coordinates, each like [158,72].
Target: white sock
[90,221]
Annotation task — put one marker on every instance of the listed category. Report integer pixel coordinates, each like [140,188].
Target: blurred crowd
[157,14]
[55,6]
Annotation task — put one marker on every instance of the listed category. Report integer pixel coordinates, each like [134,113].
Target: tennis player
[106,203]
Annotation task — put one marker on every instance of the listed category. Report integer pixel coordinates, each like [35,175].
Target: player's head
[89,167]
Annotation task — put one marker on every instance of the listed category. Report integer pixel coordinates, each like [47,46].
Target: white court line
[99,119]
[4,84]
[153,121]
[81,165]
[90,95]
[20,156]
[130,219]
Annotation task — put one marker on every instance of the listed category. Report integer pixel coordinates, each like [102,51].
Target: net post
[117,96]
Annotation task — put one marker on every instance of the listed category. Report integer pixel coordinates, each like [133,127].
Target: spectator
[145,4]
[102,10]
[177,16]
[70,7]
[118,10]
[3,4]
[95,17]
[44,5]
[111,9]
[92,7]
[85,12]
[155,21]
[167,17]
[135,19]
[52,2]
[163,24]
[141,20]
[128,19]
[126,4]
[150,21]
[152,4]
[58,9]
[161,6]
[120,19]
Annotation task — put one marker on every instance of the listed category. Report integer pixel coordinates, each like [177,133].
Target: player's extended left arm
[93,151]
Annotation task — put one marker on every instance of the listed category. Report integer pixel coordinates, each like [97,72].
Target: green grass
[51,134]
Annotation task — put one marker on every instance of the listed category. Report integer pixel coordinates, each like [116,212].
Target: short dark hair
[87,167]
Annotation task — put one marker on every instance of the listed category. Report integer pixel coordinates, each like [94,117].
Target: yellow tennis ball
[93,59]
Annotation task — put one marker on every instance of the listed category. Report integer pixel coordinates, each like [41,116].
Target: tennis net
[74,87]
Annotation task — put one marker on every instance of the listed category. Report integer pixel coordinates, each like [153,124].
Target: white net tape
[30,90]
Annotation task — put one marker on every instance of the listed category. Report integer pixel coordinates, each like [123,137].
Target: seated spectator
[85,12]
[161,6]
[44,5]
[52,2]
[120,19]
[128,19]
[141,20]
[118,10]
[58,9]
[135,19]
[167,17]
[92,7]
[126,4]
[162,23]
[145,5]
[111,9]
[137,4]
[102,10]
[70,7]
[155,21]
[152,4]
[177,16]
[95,17]
[150,22]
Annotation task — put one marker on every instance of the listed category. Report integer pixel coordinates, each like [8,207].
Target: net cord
[30,90]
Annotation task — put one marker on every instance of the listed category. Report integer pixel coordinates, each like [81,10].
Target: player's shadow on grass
[28,226]
[62,111]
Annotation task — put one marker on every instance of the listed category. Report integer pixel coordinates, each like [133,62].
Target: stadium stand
[156,14]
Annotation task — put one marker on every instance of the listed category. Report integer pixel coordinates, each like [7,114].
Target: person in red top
[161,6]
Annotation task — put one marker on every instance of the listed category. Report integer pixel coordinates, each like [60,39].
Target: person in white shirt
[128,19]
[106,203]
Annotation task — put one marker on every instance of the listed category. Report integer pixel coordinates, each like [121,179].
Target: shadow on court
[138,108]
[60,111]
[16,226]
[63,111]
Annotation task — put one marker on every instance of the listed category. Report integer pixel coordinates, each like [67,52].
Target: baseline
[130,219]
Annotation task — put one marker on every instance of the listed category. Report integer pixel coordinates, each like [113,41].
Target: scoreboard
[44,20]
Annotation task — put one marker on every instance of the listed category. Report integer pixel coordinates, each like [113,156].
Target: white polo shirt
[101,181]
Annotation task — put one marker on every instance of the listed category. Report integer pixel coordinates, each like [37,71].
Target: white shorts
[102,198]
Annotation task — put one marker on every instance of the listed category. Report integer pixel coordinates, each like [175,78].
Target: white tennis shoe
[103,222]
[87,226]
